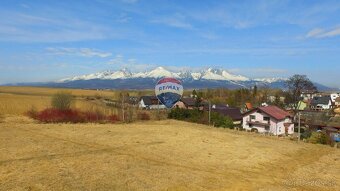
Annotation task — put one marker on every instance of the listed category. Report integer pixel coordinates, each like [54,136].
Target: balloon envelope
[169,91]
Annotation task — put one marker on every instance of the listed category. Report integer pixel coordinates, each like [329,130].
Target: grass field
[45,91]
[157,155]
[18,100]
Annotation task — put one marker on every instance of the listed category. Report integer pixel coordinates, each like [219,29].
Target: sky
[50,40]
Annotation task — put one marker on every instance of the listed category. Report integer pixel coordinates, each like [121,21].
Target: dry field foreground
[19,100]
[157,155]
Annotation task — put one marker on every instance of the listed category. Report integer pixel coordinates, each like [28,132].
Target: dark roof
[189,101]
[320,100]
[331,129]
[272,111]
[150,100]
[233,113]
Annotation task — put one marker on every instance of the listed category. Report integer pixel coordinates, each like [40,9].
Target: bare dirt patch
[157,155]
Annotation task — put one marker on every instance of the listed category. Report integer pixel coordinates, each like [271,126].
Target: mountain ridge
[125,79]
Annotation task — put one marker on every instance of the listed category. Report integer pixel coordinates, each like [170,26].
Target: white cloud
[322,33]
[85,52]
[20,27]
[178,21]
[117,60]
[132,64]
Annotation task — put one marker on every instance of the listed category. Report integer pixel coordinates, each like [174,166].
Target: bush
[305,134]
[143,116]
[93,116]
[52,115]
[198,116]
[185,114]
[62,101]
[221,121]
[113,118]
[318,138]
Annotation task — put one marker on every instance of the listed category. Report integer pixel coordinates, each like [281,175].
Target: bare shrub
[62,101]
[32,113]
[143,116]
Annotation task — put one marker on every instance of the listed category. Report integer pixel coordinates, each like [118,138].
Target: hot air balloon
[169,91]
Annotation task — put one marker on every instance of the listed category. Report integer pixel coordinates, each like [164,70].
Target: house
[308,94]
[321,103]
[268,119]
[233,113]
[150,102]
[334,96]
[186,103]
[337,102]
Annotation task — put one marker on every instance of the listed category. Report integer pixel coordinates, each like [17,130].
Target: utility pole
[209,112]
[158,110]
[299,127]
[123,97]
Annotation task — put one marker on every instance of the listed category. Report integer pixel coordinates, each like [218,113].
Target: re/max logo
[168,87]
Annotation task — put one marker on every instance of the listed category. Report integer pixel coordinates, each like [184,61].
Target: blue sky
[49,40]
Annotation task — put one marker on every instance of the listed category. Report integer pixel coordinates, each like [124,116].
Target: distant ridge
[124,79]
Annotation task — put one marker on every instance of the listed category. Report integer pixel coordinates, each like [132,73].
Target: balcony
[259,123]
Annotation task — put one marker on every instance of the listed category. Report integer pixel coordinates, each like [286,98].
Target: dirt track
[167,155]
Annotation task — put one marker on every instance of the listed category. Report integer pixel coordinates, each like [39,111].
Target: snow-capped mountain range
[124,79]
[159,72]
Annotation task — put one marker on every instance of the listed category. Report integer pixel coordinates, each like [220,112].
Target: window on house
[252,116]
[266,118]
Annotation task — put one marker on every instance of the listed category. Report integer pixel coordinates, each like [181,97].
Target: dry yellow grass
[18,104]
[16,100]
[157,155]
[45,91]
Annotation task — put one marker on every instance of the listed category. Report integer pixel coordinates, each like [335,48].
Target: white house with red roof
[268,119]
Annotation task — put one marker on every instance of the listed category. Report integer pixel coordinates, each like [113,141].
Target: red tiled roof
[275,112]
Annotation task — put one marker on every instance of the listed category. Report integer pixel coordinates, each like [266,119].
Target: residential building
[150,102]
[232,112]
[308,94]
[337,102]
[321,103]
[268,119]
[186,103]
[334,96]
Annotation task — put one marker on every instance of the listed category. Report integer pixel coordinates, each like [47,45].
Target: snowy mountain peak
[269,80]
[159,72]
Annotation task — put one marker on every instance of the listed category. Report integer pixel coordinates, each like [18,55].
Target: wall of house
[141,104]
[275,127]
[180,104]
[334,96]
[258,118]
[157,107]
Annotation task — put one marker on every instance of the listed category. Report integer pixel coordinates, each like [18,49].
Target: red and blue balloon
[169,91]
